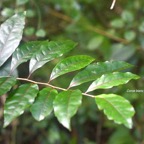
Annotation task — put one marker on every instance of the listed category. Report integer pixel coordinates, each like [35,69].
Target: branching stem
[52,86]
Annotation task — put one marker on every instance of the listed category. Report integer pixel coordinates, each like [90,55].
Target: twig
[91,28]
[113,4]
[52,86]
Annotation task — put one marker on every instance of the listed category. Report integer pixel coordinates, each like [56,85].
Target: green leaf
[48,51]
[130,35]
[6,83]
[95,70]
[117,23]
[21,2]
[41,33]
[18,101]
[122,52]
[127,16]
[24,52]
[95,42]
[10,36]
[70,64]
[66,105]
[43,104]
[116,108]
[113,79]
[5,70]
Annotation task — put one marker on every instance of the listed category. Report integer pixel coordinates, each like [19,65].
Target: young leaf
[95,70]
[18,101]
[24,52]
[70,64]
[113,79]
[66,105]
[10,36]
[6,83]
[116,108]
[43,104]
[48,51]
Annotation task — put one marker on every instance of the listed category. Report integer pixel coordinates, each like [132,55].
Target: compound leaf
[10,36]
[18,101]
[66,105]
[48,51]
[43,104]
[112,79]
[116,108]
[95,70]
[6,83]
[70,64]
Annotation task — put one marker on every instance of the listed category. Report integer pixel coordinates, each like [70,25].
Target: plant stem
[52,86]
[90,27]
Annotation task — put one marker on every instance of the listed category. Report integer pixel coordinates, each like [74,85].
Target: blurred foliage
[105,34]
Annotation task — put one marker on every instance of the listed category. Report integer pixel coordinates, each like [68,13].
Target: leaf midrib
[4,45]
[114,108]
[83,78]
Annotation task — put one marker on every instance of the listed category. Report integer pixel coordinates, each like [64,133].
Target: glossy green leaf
[70,64]
[18,101]
[43,104]
[6,83]
[24,52]
[116,108]
[10,36]
[66,105]
[95,70]
[113,79]
[48,51]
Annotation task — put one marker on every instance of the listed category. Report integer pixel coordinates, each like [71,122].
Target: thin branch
[52,86]
[91,28]
[104,33]
[38,14]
